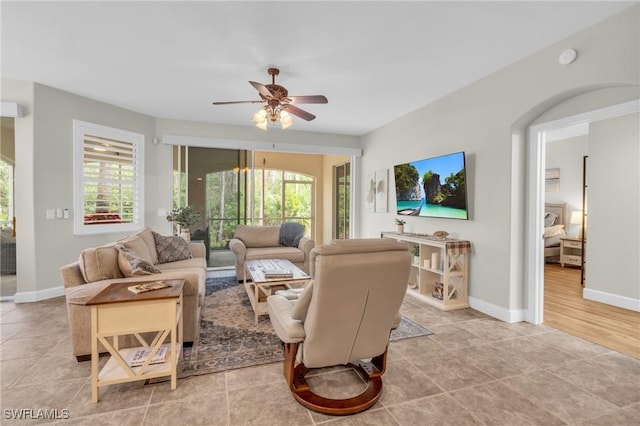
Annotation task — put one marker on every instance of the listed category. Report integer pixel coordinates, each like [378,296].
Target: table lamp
[576,219]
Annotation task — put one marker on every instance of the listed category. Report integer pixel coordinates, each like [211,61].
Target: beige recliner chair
[344,316]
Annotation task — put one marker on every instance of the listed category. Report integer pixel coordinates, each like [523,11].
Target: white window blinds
[109,189]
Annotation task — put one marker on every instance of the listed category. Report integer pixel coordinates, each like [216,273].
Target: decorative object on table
[440,234]
[438,288]
[144,287]
[435,260]
[184,217]
[415,250]
[382,190]
[400,225]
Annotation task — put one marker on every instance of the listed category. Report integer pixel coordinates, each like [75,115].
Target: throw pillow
[171,249]
[131,264]
[138,246]
[99,263]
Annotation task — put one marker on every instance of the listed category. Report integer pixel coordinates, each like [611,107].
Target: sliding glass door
[223,186]
[342,194]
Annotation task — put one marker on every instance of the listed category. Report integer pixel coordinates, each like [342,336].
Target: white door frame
[535,201]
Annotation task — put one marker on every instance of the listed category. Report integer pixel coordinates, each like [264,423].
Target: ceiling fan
[279,105]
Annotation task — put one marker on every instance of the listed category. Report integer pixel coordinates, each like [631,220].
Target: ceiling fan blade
[299,112]
[312,99]
[262,89]
[238,102]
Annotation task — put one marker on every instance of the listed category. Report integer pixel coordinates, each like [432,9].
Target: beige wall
[44,180]
[613,218]
[481,119]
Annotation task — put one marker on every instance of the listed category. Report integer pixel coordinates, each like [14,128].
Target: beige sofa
[262,242]
[101,266]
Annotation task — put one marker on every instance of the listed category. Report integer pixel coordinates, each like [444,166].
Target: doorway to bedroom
[600,312]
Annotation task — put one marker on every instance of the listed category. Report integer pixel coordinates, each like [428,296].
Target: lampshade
[260,116]
[286,120]
[576,217]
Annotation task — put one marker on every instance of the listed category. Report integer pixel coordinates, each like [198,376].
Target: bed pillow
[549,219]
[171,249]
[553,231]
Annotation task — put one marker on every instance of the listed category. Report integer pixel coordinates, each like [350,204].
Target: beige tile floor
[474,370]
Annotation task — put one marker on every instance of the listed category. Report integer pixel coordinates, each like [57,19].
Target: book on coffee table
[141,288]
[278,273]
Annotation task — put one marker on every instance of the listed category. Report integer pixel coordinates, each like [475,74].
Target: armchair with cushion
[263,242]
[344,316]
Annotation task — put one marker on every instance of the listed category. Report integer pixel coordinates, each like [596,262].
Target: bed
[555,227]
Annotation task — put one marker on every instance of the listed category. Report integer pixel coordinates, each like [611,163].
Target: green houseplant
[184,217]
[400,224]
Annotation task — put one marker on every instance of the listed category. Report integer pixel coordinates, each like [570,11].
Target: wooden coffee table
[261,287]
[116,311]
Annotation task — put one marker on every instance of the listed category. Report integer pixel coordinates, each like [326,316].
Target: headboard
[562,210]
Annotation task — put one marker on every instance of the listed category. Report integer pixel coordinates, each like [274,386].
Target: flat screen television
[433,187]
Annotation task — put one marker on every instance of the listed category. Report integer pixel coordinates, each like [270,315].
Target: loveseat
[263,242]
[144,256]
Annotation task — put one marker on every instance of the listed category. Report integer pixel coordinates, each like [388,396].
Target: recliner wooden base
[370,371]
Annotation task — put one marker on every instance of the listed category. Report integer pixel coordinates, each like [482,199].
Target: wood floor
[566,310]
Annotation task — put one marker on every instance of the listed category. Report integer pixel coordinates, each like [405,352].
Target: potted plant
[400,224]
[184,217]
[415,250]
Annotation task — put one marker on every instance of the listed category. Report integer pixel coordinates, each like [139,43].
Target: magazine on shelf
[138,358]
[155,285]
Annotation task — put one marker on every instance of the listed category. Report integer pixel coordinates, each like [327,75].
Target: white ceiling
[375,61]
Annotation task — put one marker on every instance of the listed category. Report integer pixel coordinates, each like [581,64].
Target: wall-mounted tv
[433,187]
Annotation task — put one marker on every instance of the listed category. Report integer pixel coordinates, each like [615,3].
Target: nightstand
[571,251]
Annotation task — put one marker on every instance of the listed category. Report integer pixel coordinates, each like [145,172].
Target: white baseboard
[506,315]
[611,299]
[36,296]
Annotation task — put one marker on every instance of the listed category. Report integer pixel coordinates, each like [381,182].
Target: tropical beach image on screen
[433,187]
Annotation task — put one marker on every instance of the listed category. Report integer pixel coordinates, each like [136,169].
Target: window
[109,179]
[283,196]
[342,194]
[6,194]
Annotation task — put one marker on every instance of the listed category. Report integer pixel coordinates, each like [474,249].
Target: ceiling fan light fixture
[286,120]
[279,105]
[260,116]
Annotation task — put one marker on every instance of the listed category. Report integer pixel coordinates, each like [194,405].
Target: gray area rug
[230,339]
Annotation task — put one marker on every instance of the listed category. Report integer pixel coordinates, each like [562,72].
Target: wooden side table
[115,312]
[571,251]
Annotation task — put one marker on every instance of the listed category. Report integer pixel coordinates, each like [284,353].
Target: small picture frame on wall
[552,180]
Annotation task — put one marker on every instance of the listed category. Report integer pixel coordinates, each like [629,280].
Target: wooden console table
[116,311]
[439,274]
